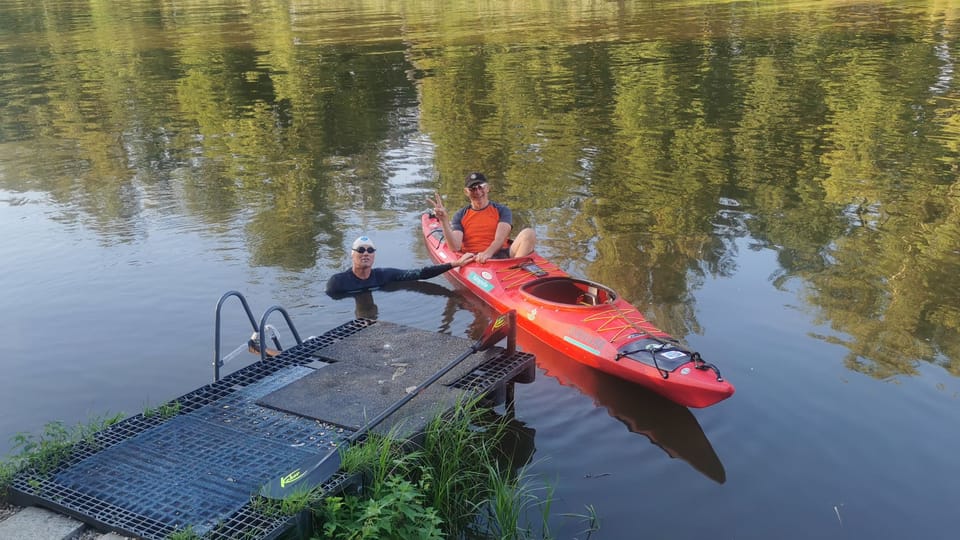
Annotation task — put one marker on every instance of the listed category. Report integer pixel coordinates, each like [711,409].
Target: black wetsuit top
[347,282]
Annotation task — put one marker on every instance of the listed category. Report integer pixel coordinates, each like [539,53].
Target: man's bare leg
[524,243]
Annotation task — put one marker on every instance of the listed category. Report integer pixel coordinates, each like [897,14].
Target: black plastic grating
[239,411]
[218,426]
[501,368]
[185,472]
[199,467]
[209,409]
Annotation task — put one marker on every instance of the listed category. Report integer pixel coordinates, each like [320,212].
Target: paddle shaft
[490,336]
[410,395]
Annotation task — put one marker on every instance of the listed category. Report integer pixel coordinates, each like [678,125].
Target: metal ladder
[261,330]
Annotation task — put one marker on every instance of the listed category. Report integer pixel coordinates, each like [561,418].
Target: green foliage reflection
[650,137]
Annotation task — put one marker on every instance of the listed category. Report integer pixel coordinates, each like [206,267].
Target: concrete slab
[35,523]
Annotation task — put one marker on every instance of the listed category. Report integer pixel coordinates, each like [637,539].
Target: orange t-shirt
[480,226]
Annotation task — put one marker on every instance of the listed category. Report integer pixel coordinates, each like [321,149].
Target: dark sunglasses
[476,187]
[363,249]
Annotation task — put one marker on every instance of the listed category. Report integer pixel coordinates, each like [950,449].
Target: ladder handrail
[217,361]
[263,327]
[262,330]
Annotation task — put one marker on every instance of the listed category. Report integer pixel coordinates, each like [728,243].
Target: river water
[776,183]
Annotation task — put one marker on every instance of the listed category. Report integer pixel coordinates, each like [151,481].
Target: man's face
[477,191]
[364,259]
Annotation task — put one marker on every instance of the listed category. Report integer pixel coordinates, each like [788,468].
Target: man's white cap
[363,241]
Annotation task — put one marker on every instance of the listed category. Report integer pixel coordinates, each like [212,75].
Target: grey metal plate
[373,369]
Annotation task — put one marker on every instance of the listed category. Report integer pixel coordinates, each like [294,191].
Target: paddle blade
[498,329]
[308,474]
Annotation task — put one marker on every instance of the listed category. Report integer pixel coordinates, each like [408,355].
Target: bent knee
[524,243]
[527,235]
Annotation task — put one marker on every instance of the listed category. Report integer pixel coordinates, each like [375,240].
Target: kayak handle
[700,363]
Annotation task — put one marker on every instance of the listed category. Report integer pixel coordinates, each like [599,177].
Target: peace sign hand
[438,209]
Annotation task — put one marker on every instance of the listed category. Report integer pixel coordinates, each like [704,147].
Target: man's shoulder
[506,215]
[458,216]
[339,275]
[341,282]
[383,270]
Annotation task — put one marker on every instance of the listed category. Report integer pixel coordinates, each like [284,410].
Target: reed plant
[502,514]
[381,456]
[456,484]
[458,451]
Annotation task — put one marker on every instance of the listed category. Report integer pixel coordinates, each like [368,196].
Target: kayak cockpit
[567,291]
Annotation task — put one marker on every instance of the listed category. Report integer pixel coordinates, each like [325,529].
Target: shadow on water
[423,287]
[366,307]
[516,447]
[668,425]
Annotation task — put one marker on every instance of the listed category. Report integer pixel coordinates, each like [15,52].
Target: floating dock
[201,467]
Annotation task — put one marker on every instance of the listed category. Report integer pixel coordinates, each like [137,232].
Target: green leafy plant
[48,451]
[397,513]
[456,483]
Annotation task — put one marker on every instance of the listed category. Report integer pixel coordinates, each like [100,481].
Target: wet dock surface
[150,476]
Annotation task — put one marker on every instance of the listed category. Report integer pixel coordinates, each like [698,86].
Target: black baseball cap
[474,178]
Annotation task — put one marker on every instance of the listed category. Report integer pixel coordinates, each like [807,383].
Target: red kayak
[587,321]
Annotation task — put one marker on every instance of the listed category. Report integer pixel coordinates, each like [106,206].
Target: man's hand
[438,209]
[464,259]
[454,238]
[484,256]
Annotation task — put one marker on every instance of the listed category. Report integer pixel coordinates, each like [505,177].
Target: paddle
[316,470]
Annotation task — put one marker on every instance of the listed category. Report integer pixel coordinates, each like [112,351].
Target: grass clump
[165,411]
[184,534]
[46,452]
[7,472]
[300,500]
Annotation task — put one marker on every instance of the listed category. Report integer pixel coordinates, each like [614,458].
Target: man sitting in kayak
[363,276]
[483,227]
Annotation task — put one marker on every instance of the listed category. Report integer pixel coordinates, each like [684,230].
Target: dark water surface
[774,182]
